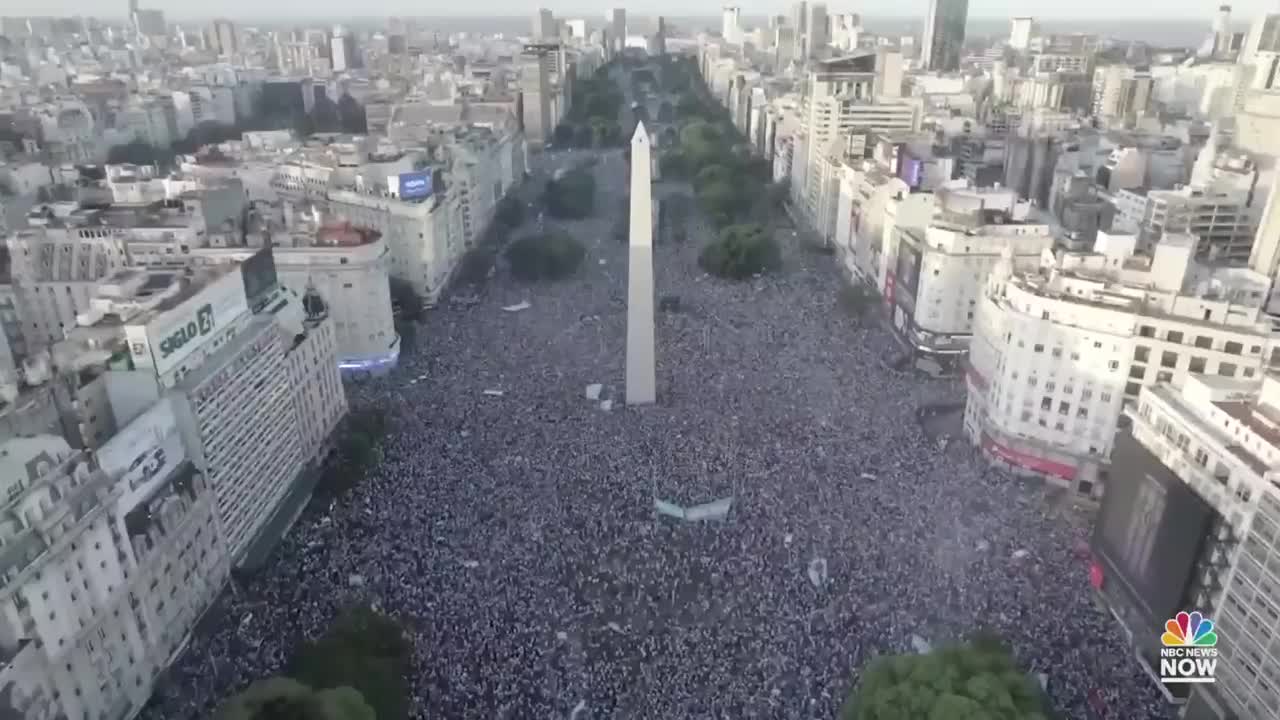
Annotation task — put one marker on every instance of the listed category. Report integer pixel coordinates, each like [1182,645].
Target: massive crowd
[514,533]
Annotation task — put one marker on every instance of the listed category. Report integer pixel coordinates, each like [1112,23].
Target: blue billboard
[910,170]
[415,185]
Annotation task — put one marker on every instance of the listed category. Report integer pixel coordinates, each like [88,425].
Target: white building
[349,268]
[934,274]
[251,369]
[1021,29]
[419,234]
[731,25]
[1055,354]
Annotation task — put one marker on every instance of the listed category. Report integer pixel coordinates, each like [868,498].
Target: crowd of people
[510,523]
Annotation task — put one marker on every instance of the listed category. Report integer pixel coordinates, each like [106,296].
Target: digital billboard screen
[415,185]
[1150,531]
[907,274]
[910,169]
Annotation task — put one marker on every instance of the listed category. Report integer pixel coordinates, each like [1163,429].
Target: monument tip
[640,135]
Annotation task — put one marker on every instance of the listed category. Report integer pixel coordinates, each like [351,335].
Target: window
[1202,457]
[1026,416]
[1082,412]
[1141,354]
[1114,364]
[1132,389]
[1174,336]
[1164,376]
[1057,352]
[1038,348]
[1137,371]
[1064,408]
[1169,359]
[1146,331]
[1204,342]
[1233,348]
[1255,350]
[1196,365]
[1227,370]
[1050,386]
[1046,403]
[1086,394]
[1248,372]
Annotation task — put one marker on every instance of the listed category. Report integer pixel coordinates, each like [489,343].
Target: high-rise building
[1222,35]
[943,38]
[819,34]
[618,27]
[730,27]
[1020,31]
[800,26]
[544,26]
[662,35]
[224,34]
[150,23]
[343,54]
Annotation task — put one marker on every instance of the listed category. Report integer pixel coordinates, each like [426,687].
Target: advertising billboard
[170,337]
[1150,532]
[144,453]
[259,274]
[910,170]
[906,276]
[415,185]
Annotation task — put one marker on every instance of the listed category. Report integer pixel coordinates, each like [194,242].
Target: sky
[296,10]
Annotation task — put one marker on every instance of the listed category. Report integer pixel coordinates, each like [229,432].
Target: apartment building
[423,237]
[244,361]
[1057,353]
[1245,685]
[934,275]
[1220,218]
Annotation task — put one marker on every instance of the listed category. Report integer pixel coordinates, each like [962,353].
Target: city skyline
[756,11]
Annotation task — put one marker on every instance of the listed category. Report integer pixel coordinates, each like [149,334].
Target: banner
[714,510]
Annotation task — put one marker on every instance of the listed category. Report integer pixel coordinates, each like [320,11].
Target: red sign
[1030,462]
[1095,576]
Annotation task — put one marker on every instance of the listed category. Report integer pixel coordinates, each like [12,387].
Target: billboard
[910,170]
[144,453]
[415,185]
[906,276]
[170,337]
[1150,532]
[259,274]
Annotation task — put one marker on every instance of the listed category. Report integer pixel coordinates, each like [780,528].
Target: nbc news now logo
[1190,652]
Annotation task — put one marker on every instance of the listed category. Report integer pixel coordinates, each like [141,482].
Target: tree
[976,681]
[510,212]
[280,698]
[622,223]
[364,650]
[740,252]
[571,196]
[666,113]
[550,255]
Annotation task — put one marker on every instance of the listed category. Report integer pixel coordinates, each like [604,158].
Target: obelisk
[641,374]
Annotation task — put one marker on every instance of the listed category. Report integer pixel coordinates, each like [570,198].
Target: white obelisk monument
[641,374]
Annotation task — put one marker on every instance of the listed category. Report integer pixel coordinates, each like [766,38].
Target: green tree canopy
[364,650]
[740,252]
[976,681]
[280,698]
[571,195]
[550,255]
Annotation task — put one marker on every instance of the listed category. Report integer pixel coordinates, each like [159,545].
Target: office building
[943,39]
[730,25]
[1021,29]
[935,273]
[545,28]
[227,41]
[95,608]
[1057,353]
[618,30]
[1218,217]
[150,23]
[817,32]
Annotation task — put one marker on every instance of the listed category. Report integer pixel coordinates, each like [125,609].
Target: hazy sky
[299,9]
